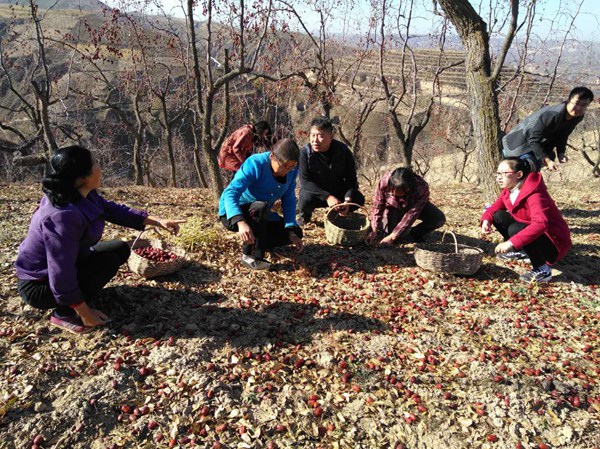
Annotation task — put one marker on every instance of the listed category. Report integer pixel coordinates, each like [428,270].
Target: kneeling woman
[60,264]
[528,219]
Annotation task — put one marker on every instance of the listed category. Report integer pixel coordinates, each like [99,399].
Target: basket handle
[335,206]
[152,228]
[454,237]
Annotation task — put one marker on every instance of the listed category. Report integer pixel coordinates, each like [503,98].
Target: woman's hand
[170,225]
[503,247]
[297,242]
[245,233]
[388,240]
[371,238]
[486,227]
[90,317]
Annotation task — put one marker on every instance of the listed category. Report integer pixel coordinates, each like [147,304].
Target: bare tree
[409,109]
[30,101]
[247,30]
[481,79]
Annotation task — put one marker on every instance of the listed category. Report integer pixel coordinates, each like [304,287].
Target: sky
[587,23]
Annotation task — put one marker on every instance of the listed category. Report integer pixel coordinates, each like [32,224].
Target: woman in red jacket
[528,219]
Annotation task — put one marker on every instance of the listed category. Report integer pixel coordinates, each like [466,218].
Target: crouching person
[62,264]
[245,205]
[528,219]
[400,199]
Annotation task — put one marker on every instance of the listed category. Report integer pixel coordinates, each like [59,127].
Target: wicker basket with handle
[348,230]
[149,268]
[449,258]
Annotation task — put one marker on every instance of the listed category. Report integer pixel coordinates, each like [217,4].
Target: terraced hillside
[425,63]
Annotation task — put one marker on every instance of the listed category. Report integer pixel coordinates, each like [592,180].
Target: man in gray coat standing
[535,137]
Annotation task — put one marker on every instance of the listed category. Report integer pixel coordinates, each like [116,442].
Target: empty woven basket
[348,230]
[448,257]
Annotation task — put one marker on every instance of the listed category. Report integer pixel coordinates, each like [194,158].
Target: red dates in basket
[155,254]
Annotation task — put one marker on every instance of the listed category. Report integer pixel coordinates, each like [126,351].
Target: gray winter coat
[540,133]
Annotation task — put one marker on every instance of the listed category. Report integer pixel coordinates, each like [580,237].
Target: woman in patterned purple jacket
[61,265]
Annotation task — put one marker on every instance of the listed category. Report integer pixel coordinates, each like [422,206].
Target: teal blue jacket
[254,181]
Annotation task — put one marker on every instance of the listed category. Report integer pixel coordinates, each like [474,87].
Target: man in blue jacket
[327,172]
[245,205]
[536,136]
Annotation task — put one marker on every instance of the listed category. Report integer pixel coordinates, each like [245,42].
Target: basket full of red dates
[152,257]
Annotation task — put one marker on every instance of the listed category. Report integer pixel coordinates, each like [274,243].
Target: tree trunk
[210,156]
[480,89]
[137,144]
[169,137]
[197,165]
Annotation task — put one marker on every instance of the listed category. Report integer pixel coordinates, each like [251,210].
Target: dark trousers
[93,273]
[308,202]
[431,218]
[267,234]
[540,251]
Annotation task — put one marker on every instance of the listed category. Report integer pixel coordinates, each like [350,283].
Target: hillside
[85,5]
[336,348]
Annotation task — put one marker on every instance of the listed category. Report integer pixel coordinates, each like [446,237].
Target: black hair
[322,124]
[286,150]
[404,178]
[517,164]
[68,164]
[259,131]
[583,93]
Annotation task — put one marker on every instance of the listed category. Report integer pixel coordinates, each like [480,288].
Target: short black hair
[583,93]
[322,124]
[286,150]
[403,177]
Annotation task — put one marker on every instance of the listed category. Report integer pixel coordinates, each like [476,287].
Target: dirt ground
[335,348]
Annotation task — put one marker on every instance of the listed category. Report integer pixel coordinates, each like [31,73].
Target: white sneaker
[255,264]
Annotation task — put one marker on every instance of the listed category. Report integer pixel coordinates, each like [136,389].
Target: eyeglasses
[504,173]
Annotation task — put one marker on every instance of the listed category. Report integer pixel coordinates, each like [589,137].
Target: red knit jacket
[236,148]
[534,207]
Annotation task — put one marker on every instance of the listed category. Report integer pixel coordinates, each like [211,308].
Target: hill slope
[86,5]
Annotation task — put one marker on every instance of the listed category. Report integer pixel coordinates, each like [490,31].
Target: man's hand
[503,247]
[486,227]
[90,317]
[332,201]
[552,166]
[297,242]
[245,233]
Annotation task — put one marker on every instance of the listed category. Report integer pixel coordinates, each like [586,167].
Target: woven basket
[449,258]
[347,230]
[148,268]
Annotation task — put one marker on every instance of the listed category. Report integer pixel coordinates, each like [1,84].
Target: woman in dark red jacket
[528,219]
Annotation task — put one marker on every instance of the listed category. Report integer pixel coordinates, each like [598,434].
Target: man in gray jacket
[536,136]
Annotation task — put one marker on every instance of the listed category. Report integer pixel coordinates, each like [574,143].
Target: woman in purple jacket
[61,265]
